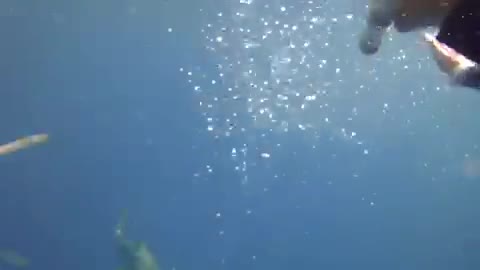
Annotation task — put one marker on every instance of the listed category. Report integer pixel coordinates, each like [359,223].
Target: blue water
[126,133]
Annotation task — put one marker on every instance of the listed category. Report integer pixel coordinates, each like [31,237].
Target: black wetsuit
[461,31]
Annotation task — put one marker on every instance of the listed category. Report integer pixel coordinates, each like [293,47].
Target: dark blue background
[125,133]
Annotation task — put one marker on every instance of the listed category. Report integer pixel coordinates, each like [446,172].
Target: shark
[134,255]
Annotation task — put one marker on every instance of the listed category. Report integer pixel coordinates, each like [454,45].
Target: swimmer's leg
[469,77]
[461,29]
[380,17]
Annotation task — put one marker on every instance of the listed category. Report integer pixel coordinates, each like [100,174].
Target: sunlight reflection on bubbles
[280,69]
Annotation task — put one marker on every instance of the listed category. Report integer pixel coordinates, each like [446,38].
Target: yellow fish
[23,143]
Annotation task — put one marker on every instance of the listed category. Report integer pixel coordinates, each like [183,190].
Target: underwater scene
[240,135]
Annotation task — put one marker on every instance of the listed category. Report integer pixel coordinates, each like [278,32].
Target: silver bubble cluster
[276,68]
[283,67]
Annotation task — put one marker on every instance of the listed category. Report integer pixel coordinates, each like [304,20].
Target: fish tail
[120,227]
